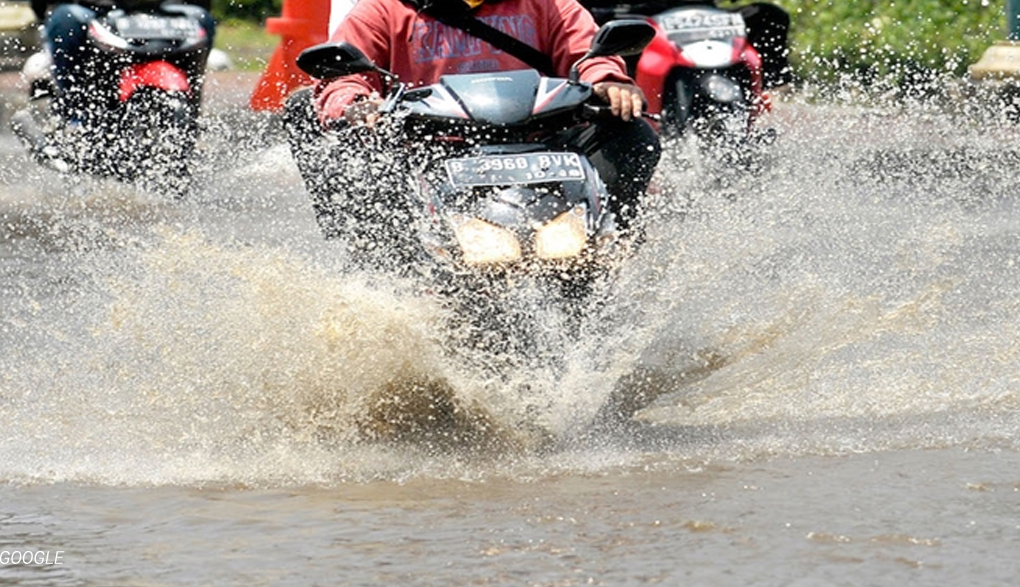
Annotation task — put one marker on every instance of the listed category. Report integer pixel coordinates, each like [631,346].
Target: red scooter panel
[657,60]
[153,74]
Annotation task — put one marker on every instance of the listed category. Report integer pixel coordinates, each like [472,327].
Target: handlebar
[596,112]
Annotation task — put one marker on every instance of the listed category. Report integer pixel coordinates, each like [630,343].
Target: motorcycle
[492,199]
[135,115]
[699,72]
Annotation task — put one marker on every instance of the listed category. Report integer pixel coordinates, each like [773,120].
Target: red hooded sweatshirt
[419,49]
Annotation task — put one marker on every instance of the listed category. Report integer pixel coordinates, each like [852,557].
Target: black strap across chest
[461,19]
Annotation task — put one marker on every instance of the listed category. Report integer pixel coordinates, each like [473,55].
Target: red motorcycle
[134,115]
[700,73]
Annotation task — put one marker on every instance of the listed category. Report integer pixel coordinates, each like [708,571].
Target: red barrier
[303,23]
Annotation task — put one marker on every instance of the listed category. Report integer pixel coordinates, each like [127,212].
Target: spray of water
[850,290]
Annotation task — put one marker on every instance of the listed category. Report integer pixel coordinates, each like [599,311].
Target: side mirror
[623,37]
[330,60]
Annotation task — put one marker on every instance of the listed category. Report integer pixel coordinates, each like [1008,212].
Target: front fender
[153,74]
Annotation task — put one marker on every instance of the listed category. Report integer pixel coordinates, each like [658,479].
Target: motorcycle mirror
[623,37]
[330,60]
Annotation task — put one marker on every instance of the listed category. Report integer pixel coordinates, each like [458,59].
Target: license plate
[697,20]
[690,26]
[523,168]
[147,26]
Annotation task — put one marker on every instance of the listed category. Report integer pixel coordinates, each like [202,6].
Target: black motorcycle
[486,197]
[135,115]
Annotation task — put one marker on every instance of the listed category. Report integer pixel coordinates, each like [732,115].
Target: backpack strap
[458,17]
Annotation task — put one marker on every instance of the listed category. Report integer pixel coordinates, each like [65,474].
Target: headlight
[484,243]
[563,237]
[722,89]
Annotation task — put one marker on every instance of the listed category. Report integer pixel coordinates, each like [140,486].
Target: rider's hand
[625,100]
[363,112]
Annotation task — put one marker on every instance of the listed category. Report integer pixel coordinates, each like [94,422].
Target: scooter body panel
[160,75]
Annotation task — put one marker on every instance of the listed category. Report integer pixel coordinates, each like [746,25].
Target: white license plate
[144,26]
[698,20]
[691,26]
[523,168]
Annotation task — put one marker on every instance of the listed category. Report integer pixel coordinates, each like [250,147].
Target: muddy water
[202,393]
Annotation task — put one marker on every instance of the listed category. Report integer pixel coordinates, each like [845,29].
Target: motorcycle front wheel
[157,142]
[718,124]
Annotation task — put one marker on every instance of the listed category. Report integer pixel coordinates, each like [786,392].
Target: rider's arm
[571,30]
[572,33]
[333,99]
[366,28]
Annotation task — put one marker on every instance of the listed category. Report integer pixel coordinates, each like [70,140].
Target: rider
[65,35]
[403,37]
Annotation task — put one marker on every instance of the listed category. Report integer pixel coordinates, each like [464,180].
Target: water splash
[852,292]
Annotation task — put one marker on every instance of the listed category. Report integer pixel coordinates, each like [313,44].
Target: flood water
[203,393]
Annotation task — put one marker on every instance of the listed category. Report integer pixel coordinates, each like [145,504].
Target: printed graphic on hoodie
[434,41]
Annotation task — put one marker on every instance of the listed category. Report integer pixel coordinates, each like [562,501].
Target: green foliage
[247,43]
[873,38]
[251,10]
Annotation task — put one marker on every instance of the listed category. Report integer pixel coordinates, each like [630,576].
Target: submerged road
[200,392]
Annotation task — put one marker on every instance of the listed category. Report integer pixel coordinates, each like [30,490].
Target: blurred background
[871,42]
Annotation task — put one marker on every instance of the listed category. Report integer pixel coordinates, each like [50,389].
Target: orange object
[303,23]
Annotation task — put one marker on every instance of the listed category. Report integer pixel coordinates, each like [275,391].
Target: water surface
[202,393]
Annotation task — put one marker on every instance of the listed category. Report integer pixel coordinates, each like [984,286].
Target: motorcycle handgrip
[595,112]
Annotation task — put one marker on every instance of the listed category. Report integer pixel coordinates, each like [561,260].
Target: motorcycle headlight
[563,237]
[483,243]
[722,89]
[104,36]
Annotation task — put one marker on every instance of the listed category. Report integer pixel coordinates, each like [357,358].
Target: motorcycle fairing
[478,94]
[556,95]
[654,66]
[713,54]
[152,74]
[436,101]
[523,94]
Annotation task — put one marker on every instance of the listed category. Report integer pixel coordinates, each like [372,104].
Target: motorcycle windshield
[506,98]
